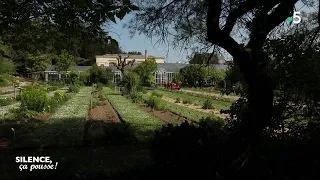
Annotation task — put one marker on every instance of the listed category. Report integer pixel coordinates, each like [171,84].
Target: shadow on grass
[95,153]
[68,133]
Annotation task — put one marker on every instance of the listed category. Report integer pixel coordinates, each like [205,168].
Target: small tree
[130,81]
[97,74]
[145,69]
[64,61]
[123,63]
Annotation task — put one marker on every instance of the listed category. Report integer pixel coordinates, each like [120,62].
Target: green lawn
[188,113]
[143,123]
[195,100]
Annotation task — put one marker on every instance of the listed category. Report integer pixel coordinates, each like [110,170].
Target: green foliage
[154,102]
[99,86]
[7,66]
[199,143]
[135,53]
[151,80]
[136,96]
[97,74]
[38,62]
[23,113]
[65,61]
[193,75]
[178,100]
[187,101]
[130,81]
[59,95]
[156,94]
[208,104]
[35,99]
[74,77]
[74,88]
[234,81]
[58,84]
[199,76]
[6,102]
[145,69]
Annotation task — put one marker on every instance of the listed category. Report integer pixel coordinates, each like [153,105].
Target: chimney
[146,54]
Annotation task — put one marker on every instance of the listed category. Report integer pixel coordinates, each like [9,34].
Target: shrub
[186,101]
[178,147]
[74,88]
[136,96]
[177,100]
[59,95]
[23,113]
[35,99]
[5,102]
[99,86]
[130,81]
[102,97]
[155,103]
[96,74]
[208,104]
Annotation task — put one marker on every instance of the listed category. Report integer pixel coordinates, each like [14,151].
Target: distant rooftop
[126,55]
[78,68]
[171,67]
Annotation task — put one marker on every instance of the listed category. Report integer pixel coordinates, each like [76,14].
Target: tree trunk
[259,114]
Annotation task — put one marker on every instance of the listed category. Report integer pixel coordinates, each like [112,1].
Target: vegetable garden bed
[188,113]
[143,123]
[65,126]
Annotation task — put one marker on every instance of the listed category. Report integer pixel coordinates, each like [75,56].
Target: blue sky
[142,43]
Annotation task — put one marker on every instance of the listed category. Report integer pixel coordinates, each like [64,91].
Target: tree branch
[260,30]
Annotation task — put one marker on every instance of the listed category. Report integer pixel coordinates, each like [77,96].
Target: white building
[107,59]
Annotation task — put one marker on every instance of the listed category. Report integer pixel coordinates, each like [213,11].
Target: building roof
[133,56]
[78,68]
[170,67]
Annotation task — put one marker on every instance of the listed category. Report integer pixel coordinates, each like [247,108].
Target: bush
[23,113]
[102,97]
[35,99]
[96,74]
[155,103]
[59,98]
[208,104]
[179,147]
[99,86]
[130,81]
[74,88]
[136,96]
[177,100]
[59,95]
[5,102]
[186,101]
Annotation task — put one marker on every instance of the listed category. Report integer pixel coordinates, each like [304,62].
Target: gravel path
[211,94]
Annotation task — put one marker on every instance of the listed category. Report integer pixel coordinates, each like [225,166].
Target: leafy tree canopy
[64,61]
[135,53]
